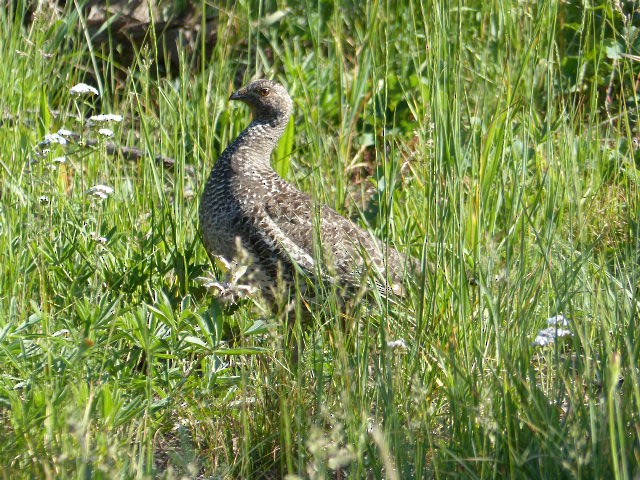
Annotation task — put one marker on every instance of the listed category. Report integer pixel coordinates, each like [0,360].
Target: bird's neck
[251,152]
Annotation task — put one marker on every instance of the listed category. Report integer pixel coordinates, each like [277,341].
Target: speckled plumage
[247,204]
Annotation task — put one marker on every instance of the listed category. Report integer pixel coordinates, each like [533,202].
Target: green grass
[474,135]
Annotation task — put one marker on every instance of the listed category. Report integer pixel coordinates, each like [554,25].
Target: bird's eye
[264,91]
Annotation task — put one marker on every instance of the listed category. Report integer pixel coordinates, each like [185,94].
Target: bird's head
[268,100]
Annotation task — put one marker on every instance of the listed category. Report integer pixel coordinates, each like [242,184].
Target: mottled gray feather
[276,224]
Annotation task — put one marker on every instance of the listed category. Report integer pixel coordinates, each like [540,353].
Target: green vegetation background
[497,140]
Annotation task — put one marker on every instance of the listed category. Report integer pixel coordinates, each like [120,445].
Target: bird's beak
[237,95]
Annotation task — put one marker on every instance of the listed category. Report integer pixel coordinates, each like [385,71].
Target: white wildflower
[397,344]
[83,89]
[63,132]
[241,402]
[100,191]
[558,321]
[106,132]
[44,200]
[62,159]
[105,117]
[97,238]
[549,335]
[53,138]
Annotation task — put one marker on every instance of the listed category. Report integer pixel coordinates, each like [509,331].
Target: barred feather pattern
[248,211]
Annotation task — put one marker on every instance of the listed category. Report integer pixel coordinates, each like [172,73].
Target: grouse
[249,213]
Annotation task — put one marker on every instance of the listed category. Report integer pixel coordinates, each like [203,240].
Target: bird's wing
[347,251]
[270,247]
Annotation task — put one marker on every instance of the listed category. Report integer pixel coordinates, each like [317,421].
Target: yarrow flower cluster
[556,329]
[100,191]
[63,132]
[64,136]
[398,344]
[105,117]
[74,141]
[96,237]
[53,138]
[83,89]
